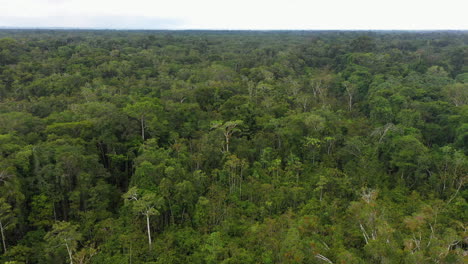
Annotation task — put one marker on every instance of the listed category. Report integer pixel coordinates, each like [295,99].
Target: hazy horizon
[238,15]
[246,30]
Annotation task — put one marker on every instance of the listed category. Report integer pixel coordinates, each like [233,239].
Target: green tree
[145,203]
[228,129]
[146,112]
[64,234]
[7,221]
[457,93]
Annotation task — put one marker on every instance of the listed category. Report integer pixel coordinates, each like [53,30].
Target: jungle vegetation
[233,146]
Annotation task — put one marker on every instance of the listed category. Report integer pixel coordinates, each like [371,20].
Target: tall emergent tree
[7,220]
[146,111]
[143,202]
[228,128]
[64,234]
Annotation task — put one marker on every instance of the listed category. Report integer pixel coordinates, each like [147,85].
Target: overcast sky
[236,14]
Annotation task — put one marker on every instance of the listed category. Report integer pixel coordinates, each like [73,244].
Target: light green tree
[228,128]
[145,111]
[145,203]
[64,234]
[7,220]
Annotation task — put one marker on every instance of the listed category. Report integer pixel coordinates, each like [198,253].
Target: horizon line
[218,29]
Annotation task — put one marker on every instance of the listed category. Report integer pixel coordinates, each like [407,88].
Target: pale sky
[236,14]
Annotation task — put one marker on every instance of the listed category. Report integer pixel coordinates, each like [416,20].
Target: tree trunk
[227,143]
[69,252]
[3,238]
[149,230]
[142,121]
[350,92]
[350,102]
[172,220]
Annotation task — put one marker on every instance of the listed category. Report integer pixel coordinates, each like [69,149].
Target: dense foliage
[233,147]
